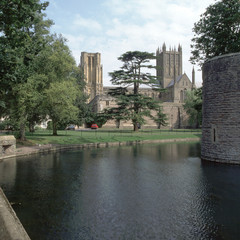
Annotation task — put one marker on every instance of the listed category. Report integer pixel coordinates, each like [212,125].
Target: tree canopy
[22,36]
[217,32]
[38,75]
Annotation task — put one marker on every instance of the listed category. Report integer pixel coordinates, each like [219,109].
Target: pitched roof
[177,80]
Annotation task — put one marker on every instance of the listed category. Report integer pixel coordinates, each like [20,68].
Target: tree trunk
[22,136]
[54,128]
[118,123]
[135,127]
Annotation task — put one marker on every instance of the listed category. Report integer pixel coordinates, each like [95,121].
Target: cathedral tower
[169,65]
[92,69]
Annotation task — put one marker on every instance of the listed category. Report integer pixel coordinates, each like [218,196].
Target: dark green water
[139,192]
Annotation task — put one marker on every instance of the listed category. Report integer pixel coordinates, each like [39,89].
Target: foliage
[193,107]
[38,77]
[161,118]
[49,125]
[131,105]
[120,112]
[84,109]
[59,103]
[22,36]
[3,125]
[217,32]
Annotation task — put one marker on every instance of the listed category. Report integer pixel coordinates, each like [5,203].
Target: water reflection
[138,192]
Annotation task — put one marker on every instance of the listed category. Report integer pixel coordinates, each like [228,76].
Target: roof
[172,82]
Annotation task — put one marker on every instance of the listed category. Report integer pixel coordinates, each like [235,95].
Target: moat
[158,191]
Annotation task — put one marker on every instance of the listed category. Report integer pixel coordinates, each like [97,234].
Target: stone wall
[7,146]
[10,226]
[177,117]
[221,111]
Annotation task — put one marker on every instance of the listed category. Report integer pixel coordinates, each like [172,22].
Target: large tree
[217,32]
[131,103]
[59,99]
[61,87]
[22,31]
[23,35]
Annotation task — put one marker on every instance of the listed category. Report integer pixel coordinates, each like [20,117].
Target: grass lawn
[103,135]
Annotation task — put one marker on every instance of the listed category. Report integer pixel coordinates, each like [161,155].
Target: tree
[119,112]
[193,107]
[131,104]
[161,118]
[21,37]
[59,103]
[217,32]
[62,86]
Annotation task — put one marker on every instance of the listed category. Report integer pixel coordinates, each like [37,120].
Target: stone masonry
[221,111]
[7,146]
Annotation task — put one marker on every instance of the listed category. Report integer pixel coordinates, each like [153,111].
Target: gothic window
[107,103]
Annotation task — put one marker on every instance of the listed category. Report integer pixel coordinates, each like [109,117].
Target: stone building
[221,111]
[91,66]
[171,78]
[169,73]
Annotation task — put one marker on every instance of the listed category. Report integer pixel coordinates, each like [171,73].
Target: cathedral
[168,70]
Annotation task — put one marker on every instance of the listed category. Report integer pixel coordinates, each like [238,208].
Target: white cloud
[142,25]
[87,23]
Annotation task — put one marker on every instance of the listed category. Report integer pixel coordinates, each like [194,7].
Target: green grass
[101,135]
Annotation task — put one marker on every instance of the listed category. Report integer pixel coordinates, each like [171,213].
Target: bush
[2,125]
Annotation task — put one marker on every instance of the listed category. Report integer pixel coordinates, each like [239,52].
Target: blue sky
[113,27]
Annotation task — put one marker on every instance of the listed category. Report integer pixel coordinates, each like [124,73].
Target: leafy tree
[38,97]
[193,107]
[217,32]
[23,35]
[161,118]
[59,103]
[22,31]
[62,87]
[131,104]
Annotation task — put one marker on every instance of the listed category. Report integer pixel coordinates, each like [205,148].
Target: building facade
[90,64]
[170,75]
[171,78]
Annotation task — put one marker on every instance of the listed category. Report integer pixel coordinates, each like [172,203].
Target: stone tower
[169,65]
[221,115]
[91,65]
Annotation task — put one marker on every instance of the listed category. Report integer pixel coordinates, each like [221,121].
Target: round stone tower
[221,109]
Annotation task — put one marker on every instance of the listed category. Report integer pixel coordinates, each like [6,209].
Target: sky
[113,27]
